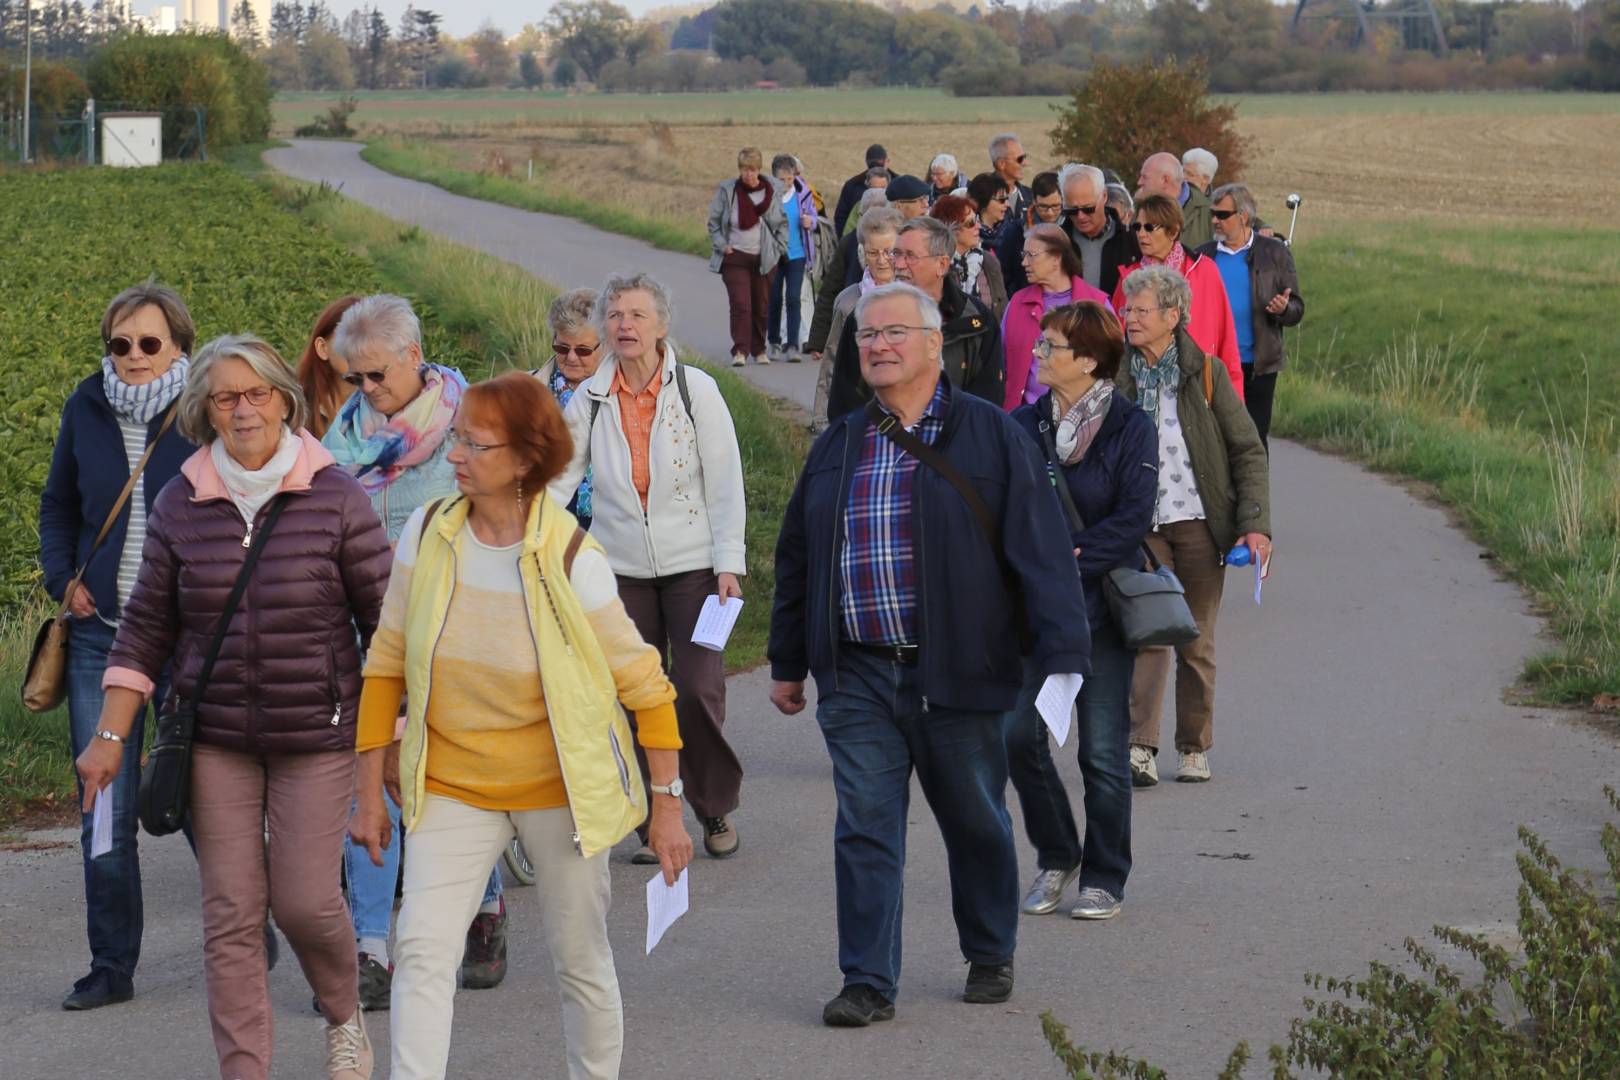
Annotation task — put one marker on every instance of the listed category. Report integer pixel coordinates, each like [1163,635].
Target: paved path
[1365,766]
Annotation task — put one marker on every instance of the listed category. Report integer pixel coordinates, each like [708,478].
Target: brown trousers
[304,799]
[1187,548]
[749,292]
[665,610]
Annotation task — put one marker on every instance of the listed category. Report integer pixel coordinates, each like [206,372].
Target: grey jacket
[772,232]
[1271,270]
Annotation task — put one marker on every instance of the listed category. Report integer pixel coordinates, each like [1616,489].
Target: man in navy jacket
[890,593]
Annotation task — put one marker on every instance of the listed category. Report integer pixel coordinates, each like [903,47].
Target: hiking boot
[483,966]
[102,986]
[719,838]
[988,984]
[376,983]
[1095,903]
[762,360]
[1046,891]
[857,1005]
[348,1049]
[738,359]
[1144,772]
[1193,767]
[644,856]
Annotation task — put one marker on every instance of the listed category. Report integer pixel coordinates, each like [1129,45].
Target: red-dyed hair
[324,391]
[524,413]
[952,209]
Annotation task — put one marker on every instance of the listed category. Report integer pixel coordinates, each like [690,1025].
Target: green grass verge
[439,165]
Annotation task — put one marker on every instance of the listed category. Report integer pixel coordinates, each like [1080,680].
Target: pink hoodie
[1021,328]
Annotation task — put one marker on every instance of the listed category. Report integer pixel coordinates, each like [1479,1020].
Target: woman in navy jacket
[107,425]
[1104,451]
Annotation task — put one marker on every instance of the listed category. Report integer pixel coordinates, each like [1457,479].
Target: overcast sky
[460,16]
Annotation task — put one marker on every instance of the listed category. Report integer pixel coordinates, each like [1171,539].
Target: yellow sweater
[489,741]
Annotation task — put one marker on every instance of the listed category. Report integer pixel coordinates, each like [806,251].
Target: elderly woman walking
[321,371]
[876,234]
[975,267]
[944,176]
[1214,492]
[119,421]
[670,509]
[275,726]
[748,235]
[503,628]
[798,252]
[576,353]
[1053,269]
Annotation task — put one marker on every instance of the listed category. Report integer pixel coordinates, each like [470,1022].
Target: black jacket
[843,271]
[1271,270]
[1119,250]
[848,199]
[968,621]
[972,354]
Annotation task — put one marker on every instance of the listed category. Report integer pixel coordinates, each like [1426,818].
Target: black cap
[905,187]
[876,155]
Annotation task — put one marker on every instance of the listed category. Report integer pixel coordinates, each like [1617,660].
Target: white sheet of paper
[1055,701]
[665,904]
[715,622]
[101,823]
[1259,580]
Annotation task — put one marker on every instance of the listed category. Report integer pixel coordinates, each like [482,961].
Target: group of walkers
[412,613]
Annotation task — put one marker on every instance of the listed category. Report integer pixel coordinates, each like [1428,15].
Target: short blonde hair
[267,364]
[749,157]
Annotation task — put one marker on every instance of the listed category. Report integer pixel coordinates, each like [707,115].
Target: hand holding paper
[101,823]
[665,904]
[715,622]
[1055,701]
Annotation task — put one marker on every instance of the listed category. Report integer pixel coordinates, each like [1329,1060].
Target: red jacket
[1211,324]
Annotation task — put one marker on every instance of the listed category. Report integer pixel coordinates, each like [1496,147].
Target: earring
[520,492]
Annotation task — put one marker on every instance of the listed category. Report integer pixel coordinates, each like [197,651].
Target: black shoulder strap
[235,598]
[680,384]
[1058,482]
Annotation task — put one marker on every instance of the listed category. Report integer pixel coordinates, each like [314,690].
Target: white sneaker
[1095,903]
[1193,767]
[348,1049]
[1046,891]
[776,352]
[738,359]
[762,360]
[1144,772]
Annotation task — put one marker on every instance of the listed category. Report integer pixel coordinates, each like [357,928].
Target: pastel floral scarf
[144,402]
[377,449]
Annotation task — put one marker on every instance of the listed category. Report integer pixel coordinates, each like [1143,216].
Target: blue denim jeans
[112,884]
[372,887]
[788,280]
[877,732]
[1103,736]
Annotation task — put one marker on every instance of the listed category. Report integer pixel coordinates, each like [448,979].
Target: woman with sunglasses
[1157,228]
[321,371]
[976,269]
[109,423]
[392,436]
[576,349]
[1054,272]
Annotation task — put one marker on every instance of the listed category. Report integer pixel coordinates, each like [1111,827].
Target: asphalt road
[1368,781]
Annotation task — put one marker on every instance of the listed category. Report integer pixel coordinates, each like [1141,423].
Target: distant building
[163,19]
[216,14]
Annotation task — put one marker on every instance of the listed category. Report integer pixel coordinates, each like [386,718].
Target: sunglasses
[1075,211]
[1003,197]
[121,346]
[1021,158]
[1221,215]
[359,379]
[1145,226]
[581,351]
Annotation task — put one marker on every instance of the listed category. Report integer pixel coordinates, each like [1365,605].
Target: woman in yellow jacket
[503,627]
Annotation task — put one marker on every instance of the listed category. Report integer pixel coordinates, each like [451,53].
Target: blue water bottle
[1239,556]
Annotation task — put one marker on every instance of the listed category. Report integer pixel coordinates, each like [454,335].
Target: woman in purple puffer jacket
[275,728]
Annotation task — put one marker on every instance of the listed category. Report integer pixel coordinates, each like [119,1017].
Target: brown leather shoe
[719,838]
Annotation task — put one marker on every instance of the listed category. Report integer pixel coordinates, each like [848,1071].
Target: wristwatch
[109,736]
[675,787]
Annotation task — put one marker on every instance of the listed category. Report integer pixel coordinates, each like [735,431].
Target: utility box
[131,139]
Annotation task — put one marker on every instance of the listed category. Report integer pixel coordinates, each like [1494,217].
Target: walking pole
[1293,204]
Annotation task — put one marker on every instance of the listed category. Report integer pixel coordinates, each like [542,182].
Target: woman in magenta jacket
[1053,268]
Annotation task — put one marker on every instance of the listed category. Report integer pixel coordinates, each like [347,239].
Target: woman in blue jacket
[1103,450]
[108,423]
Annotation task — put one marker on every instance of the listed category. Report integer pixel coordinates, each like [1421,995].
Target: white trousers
[451,850]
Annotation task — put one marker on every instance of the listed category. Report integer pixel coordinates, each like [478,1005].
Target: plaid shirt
[876,568]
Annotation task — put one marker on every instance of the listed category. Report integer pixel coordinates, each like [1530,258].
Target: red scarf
[748,211]
[1176,260]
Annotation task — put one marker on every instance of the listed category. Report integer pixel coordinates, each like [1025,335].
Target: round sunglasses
[581,351]
[122,346]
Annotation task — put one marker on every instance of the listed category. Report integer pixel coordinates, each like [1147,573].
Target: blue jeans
[790,278]
[1104,746]
[877,733]
[114,915]
[372,887]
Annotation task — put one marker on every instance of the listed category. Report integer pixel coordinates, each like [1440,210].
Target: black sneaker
[101,987]
[483,966]
[988,984]
[857,1005]
[376,983]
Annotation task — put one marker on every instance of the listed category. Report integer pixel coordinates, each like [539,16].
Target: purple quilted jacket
[288,675]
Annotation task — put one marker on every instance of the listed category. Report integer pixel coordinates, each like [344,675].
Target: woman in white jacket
[668,507]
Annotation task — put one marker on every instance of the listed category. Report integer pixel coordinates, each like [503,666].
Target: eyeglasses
[1074,211]
[1044,348]
[1003,197]
[902,255]
[226,400]
[1139,312]
[1030,254]
[879,254]
[121,346]
[360,378]
[581,351]
[1021,158]
[894,335]
[1145,226]
[1221,215]
[967,223]
[1047,211]
[455,438]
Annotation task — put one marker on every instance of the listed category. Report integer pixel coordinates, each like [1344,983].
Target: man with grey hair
[910,591]
[1007,160]
[972,337]
[1199,167]
[1162,175]
[1103,241]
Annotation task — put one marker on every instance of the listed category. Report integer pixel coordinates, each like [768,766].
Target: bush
[58,91]
[175,73]
[1123,113]
[334,125]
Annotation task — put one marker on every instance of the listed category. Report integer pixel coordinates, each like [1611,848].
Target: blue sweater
[1235,276]
[88,470]
[968,621]
[1114,486]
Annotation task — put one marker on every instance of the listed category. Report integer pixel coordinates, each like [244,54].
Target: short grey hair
[267,364]
[927,310]
[874,198]
[1119,195]
[182,331]
[571,311]
[1075,171]
[1169,289]
[619,284]
[999,145]
[941,241]
[1202,160]
[944,161]
[381,320]
[1242,200]
[784,161]
[878,219]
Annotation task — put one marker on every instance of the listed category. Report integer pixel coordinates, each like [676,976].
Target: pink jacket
[1021,328]
[1211,324]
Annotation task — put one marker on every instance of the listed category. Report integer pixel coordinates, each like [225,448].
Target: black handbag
[165,796]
